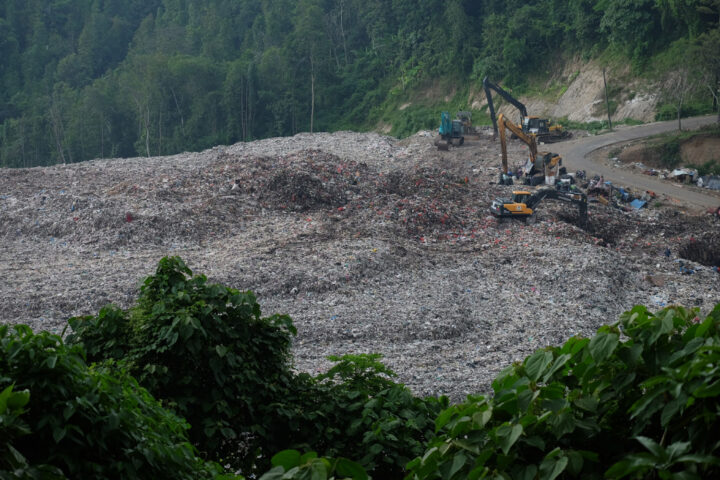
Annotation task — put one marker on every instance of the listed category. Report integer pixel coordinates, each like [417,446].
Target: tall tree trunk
[147,130]
[160,134]
[177,106]
[312,93]
[57,130]
[342,31]
[102,136]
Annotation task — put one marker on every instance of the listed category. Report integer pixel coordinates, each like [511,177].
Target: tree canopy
[90,79]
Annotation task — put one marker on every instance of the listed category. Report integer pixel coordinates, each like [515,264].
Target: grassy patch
[669,111]
[667,148]
[614,153]
[596,127]
[422,106]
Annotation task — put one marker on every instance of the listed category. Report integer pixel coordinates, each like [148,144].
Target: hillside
[371,245]
[104,79]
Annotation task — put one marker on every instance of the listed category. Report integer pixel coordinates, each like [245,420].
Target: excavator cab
[520,196]
[535,125]
[516,206]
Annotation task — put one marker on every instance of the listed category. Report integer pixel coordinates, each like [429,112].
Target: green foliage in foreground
[60,418]
[207,352]
[638,400]
[292,465]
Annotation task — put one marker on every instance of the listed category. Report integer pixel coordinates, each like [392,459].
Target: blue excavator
[450,132]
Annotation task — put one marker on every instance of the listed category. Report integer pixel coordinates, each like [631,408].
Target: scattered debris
[371,245]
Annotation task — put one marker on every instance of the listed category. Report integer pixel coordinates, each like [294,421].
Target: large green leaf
[286,459]
[350,469]
[536,364]
[553,465]
[507,436]
[603,345]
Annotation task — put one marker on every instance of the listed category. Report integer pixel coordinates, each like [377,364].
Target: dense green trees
[102,78]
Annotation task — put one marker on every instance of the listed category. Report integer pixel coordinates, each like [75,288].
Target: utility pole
[607,102]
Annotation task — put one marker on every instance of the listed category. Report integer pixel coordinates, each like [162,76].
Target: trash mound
[368,243]
[704,250]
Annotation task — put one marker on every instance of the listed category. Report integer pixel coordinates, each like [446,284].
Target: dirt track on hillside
[369,243]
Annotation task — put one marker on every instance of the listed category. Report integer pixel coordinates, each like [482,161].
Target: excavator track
[550,138]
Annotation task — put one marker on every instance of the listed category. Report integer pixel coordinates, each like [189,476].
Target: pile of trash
[685,175]
[370,244]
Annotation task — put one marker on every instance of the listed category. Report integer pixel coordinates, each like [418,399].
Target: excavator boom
[529,140]
[487,85]
[545,162]
[542,128]
[524,204]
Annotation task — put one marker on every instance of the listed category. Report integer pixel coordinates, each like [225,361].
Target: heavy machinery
[546,163]
[466,120]
[523,203]
[542,128]
[450,132]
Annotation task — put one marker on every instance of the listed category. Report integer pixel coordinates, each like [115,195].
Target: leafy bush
[710,167]
[690,109]
[206,350]
[378,422]
[670,153]
[292,465]
[640,399]
[60,418]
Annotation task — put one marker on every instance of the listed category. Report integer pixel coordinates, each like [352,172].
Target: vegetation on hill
[638,400]
[104,78]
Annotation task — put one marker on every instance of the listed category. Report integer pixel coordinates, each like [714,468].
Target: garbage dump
[369,243]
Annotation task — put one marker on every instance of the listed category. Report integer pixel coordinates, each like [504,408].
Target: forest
[85,79]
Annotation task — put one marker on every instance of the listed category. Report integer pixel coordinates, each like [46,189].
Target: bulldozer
[450,132]
[523,203]
[543,129]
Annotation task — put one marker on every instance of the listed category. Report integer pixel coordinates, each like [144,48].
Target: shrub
[205,349]
[379,423]
[60,418]
[292,465]
[639,399]
[709,167]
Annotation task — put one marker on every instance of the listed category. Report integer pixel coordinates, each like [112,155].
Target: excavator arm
[529,140]
[577,198]
[549,161]
[487,86]
[523,204]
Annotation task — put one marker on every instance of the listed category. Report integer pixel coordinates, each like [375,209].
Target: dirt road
[576,156]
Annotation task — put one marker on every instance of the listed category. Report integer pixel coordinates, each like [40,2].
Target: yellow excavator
[523,203]
[546,163]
